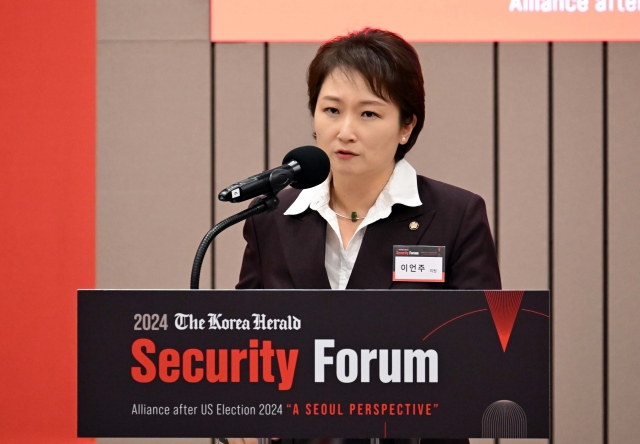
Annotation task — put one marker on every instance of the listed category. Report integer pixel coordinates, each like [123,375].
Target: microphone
[303,167]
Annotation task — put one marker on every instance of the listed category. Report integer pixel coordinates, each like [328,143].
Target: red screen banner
[427,20]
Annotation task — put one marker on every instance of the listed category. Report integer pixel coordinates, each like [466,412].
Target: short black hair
[387,62]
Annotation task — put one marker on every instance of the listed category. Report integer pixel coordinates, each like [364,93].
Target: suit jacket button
[414,225]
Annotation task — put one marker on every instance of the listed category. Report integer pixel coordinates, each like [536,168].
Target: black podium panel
[348,364]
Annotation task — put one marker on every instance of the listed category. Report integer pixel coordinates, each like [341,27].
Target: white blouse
[402,188]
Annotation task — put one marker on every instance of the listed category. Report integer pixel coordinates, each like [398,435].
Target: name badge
[418,263]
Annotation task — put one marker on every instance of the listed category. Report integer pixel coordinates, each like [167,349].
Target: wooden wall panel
[290,122]
[238,142]
[523,236]
[456,143]
[153,162]
[153,147]
[577,242]
[624,242]
[153,20]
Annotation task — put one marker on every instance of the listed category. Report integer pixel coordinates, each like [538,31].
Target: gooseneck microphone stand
[264,205]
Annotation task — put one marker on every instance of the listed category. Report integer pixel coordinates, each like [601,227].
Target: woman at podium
[366,96]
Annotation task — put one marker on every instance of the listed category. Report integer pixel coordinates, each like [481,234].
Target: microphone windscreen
[314,164]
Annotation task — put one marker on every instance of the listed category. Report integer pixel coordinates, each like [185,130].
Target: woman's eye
[331,110]
[369,114]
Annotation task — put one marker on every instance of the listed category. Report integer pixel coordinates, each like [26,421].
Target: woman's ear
[405,131]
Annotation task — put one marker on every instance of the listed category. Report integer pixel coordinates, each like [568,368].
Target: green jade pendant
[354,216]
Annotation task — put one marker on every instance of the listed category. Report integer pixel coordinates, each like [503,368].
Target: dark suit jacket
[288,251]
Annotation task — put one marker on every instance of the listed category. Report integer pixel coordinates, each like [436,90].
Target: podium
[309,363]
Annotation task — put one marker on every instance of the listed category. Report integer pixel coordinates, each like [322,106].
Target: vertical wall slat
[290,122]
[456,143]
[153,20]
[153,159]
[153,147]
[524,165]
[577,239]
[238,142]
[624,242]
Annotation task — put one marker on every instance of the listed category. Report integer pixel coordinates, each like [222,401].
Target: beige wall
[577,229]
[153,147]
[623,242]
[153,141]
[456,143]
[525,125]
[523,159]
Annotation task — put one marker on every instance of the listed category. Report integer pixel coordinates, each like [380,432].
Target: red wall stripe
[47,210]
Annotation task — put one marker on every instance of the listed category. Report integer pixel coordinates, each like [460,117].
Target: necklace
[354,216]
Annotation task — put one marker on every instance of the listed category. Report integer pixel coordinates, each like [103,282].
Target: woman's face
[358,130]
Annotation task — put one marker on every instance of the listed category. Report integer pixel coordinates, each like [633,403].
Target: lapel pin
[414,225]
